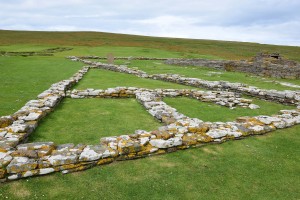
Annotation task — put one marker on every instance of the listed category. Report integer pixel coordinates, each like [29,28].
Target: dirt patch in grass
[209,150]
[19,190]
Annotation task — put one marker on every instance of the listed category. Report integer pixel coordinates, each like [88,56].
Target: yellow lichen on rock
[105,161]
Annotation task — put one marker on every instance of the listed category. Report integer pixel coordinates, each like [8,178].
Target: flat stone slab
[21,164]
[36,146]
[95,152]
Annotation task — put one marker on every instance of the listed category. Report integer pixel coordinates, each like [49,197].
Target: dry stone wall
[123,58]
[21,160]
[215,64]
[46,52]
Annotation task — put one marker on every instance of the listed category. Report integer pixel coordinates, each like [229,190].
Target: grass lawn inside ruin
[103,79]
[208,111]
[88,120]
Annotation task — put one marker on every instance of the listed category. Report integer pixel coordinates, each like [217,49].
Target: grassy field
[183,47]
[263,167]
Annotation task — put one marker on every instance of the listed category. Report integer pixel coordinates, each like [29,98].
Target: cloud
[264,21]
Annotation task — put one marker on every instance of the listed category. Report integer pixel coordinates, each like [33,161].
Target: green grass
[262,167]
[88,120]
[102,79]
[23,78]
[121,51]
[212,112]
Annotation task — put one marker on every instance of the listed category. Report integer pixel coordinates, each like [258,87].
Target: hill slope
[222,49]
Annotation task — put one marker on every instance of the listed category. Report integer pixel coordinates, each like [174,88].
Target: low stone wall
[215,64]
[286,97]
[123,58]
[46,52]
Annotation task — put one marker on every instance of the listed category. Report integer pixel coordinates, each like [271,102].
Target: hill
[221,49]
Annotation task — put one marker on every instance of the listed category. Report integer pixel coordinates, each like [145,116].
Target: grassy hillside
[186,47]
[264,167]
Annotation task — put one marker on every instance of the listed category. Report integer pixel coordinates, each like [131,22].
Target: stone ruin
[19,159]
[262,56]
[274,58]
[110,58]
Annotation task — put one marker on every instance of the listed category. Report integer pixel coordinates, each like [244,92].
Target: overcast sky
[263,21]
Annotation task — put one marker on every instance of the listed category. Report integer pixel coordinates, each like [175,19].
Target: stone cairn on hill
[19,159]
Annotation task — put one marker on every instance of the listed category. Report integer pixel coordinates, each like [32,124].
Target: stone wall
[123,58]
[215,64]
[46,52]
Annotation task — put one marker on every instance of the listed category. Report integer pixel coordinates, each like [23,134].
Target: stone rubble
[179,132]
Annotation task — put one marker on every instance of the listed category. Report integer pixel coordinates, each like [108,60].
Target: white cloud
[264,21]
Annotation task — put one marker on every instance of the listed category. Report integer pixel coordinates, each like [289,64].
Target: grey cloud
[265,21]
